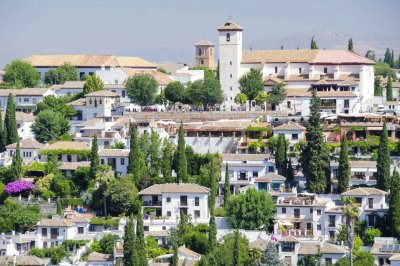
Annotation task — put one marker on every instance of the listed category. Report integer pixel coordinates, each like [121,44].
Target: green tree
[227,186]
[383,69]
[141,245]
[370,54]
[49,126]
[104,177]
[61,186]
[280,155]
[175,92]
[233,251]
[107,243]
[14,217]
[206,93]
[270,257]
[389,89]
[130,249]
[262,98]
[10,121]
[388,57]
[236,248]
[167,159]
[180,154]
[251,84]
[142,89]
[251,210]
[212,233]
[94,158]
[344,166]
[241,98]
[59,208]
[277,94]
[21,74]
[61,74]
[56,104]
[350,45]
[350,213]
[3,136]
[313,44]
[52,164]
[377,86]
[155,158]
[117,145]
[290,174]
[134,155]
[370,235]
[16,164]
[92,83]
[175,259]
[383,162]
[314,156]
[122,194]
[394,204]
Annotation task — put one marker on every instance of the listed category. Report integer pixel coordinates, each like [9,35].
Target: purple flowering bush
[18,186]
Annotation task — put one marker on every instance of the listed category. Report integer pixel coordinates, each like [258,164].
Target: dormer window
[228,37]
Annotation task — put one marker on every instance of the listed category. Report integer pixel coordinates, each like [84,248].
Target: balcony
[152,203]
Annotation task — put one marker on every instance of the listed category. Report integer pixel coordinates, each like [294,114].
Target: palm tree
[350,211]
[104,177]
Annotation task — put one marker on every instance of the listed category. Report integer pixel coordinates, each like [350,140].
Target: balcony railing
[152,203]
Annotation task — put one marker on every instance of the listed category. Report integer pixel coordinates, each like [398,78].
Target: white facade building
[25,99]
[293,132]
[29,151]
[361,173]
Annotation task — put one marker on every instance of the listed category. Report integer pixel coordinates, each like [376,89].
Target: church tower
[205,54]
[230,57]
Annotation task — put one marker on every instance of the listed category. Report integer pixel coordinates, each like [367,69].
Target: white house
[361,173]
[25,99]
[67,151]
[116,158]
[24,124]
[344,80]
[29,150]
[385,251]
[293,132]
[372,203]
[186,254]
[71,226]
[187,76]
[69,88]
[165,202]
[17,244]
[100,259]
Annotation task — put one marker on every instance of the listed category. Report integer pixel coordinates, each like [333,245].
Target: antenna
[230,15]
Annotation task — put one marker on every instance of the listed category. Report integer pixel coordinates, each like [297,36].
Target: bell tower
[205,54]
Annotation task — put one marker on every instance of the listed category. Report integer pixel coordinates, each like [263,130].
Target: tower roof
[204,42]
[230,26]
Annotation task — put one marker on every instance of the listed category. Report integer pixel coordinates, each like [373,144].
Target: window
[53,233]
[81,74]
[69,158]
[199,52]
[196,214]
[295,136]
[270,169]
[44,244]
[358,200]
[371,220]
[276,70]
[283,210]
[168,213]
[26,100]
[318,212]
[211,51]
[44,231]
[201,62]
[255,174]
[311,210]
[196,201]
[297,225]
[308,226]
[231,88]
[230,63]
[122,161]
[228,37]
[319,227]
[168,200]
[91,73]
[287,246]
[296,213]
[123,93]
[146,228]
[370,203]
[325,70]
[332,219]
[331,234]
[230,75]
[183,201]
[80,230]
[346,103]
[289,104]
[300,70]
[328,261]
[164,228]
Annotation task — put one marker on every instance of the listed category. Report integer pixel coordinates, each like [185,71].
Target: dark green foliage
[155,158]
[61,74]
[134,155]
[167,159]
[107,243]
[313,45]
[94,159]
[370,235]
[227,186]
[92,84]
[56,254]
[10,121]
[344,166]
[377,87]
[56,104]
[315,156]
[175,92]
[290,174]
[3,135]
[52,164]
[251,210]
[350,45]
[21,74]
[81,178]
[251,83]
[310,260]
[180,154]
[196,241]
[175,259]
[388,59]
[277,94]
[280,155]
[142,89]
[212,234]
[214,174]
[14,217]
[122,195]
[389,89]
[61,186]
[130,246]
[107,222]
[383,69]
[370,54]
[59,208]
[270,257]
[141,245]
[206,92]
[394,205]
[50,126]
[16,164]
[234,251]
[383,162]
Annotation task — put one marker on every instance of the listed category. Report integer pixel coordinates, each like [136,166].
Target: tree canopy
[49,126]
[241,98]
[251,83]
[313,45]
[277,94]
[21,74]
[142,89]
[175,92]
[92,83]
[61,74]
[205,92]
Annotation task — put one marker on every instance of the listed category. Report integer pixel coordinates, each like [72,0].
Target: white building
[25,99]
[24,124]
[29,151]
[67,151]
[343,79]
[372,203]
[293,132]
[187,76]
[361,173]
[69,88]
[165,202]
[16,244]
[386,251]
[116,158]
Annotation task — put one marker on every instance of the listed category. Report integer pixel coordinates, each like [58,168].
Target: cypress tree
[59,208]
[130,252]
[167,158]
[280,154]
[344,166]
[175,259]
[227,185]
[10,121]
[236,248]
[350,45]
[134,155]
[145,147]
[270,257]
[94,159]
[212,233]
[392,60]
[315,156]
[16,165]
[389,89]
[154,158]
[141,244]
[383,163]
[313,44]
[3,137]
[213,186]
[290,174]
[394,204]
[181,161]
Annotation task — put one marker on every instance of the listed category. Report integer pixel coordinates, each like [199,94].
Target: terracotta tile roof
[268,178]
[102,93]
[395,257]
[303,92]
[162,233]
[65,145]
[122,122]
[362,164]
[79,102]
[349,82]
[161,78]
[272,80]
[99,257]
[187,252]
[23,260]
[159,189]
[278,56]
[87,61]
[26,144]
[204,42]
[261,244]
[21,116]
[243,157]
[69,85]
[289,238]
[25,91]
[325,248]
[290,126]
[73,166]
[364,191]
[91,122]
[55,223]
[114,153]
[230,25]
[342,57]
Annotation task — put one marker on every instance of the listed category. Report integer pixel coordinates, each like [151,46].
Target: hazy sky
[167,29]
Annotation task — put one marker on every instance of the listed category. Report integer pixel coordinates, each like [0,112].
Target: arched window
[228,37]
[95,102]
[199,51]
